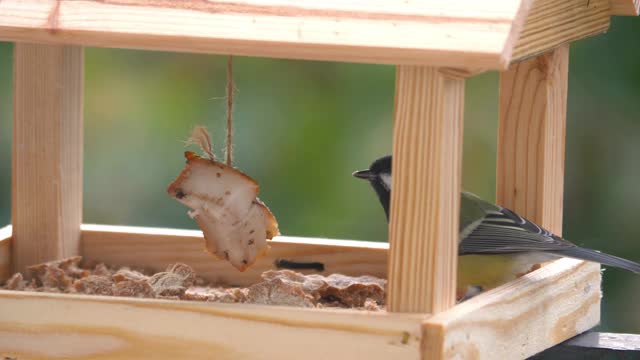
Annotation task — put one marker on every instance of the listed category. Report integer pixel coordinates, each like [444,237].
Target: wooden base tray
[517,319]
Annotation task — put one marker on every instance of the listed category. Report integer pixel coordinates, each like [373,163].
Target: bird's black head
[379,176]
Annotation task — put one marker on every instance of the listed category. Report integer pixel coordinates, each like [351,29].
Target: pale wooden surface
[531,135]
[625,7]
[425,201]
[39,325]
[554,22]
[521,318]
[157,248]
[463,33]
[47,153]
[5,253]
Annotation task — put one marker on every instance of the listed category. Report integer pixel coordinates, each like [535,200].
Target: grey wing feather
[501,231]
[473,210]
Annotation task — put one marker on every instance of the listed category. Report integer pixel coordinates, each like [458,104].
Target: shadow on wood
[595,345]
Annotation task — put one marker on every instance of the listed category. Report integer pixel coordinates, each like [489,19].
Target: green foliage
[301,128]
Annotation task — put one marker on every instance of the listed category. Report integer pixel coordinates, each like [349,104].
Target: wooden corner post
[530,166]
[425,201]
[47,153]
[531,134]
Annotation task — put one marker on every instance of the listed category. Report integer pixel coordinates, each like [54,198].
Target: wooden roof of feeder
[467,34]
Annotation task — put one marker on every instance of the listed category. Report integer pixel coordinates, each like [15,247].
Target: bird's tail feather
[602,258]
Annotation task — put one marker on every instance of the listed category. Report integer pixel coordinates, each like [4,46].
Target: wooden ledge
[81,326]
[520,318]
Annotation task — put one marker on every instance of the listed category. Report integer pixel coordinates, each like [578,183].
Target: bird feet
[468,293]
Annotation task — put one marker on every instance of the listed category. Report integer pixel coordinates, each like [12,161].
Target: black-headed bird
[496,245]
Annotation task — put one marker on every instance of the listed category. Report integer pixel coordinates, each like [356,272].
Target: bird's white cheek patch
[386,180]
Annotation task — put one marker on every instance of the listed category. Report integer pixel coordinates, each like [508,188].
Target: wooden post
[427,152]
[47,153]
[531,134]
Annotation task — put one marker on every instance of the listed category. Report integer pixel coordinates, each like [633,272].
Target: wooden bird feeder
[435,44]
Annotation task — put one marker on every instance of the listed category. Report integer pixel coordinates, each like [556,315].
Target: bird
[495,245]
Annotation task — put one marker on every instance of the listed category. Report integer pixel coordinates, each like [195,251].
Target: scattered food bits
[231,295]
[279,292]
[51,274]
[133,288]
[102,269]
[16,282]
[174,281]
[56,278]
[179,282]
[345,290]
[94,285]
[371,305]
[125,274]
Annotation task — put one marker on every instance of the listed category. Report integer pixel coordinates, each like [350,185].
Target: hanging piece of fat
[224,203]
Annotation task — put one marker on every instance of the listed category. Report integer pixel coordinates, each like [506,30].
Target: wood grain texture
[39,326]
[157,248]
[531,136]
[625,7]
[47,153]
[464,33]
[425,201]
[551,23]
[5,253]
[595,345]
[521,318]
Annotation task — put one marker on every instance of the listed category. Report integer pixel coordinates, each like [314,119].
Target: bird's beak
[364,174]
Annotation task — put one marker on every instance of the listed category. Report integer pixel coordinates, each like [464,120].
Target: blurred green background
[302,127]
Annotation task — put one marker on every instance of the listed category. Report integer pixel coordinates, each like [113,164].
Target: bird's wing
[473,210]
[501,231]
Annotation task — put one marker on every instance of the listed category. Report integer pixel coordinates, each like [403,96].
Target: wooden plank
[595,345]
[47,153]
[551,23]
[40,325]
[531,135]
[5,253]
[463,33]
[521,318]
[425,201]
[156,248]
[625,7]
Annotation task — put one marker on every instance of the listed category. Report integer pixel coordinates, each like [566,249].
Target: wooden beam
[551,23]
[595,345]
[531,135]
[521,318]
[463,33]
[41,325]
[625,7]
[5,253]
[47,153]
[425,201]
[156,248]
